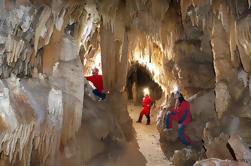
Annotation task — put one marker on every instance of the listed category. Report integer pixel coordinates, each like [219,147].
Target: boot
[140,118]
[148,120]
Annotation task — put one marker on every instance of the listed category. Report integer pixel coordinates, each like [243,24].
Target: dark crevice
[231,151]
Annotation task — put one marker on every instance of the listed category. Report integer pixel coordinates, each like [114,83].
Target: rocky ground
[144,150]
[148,138]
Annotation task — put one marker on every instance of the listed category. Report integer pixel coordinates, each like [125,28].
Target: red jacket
[97,81]
[146,103]
[183,113]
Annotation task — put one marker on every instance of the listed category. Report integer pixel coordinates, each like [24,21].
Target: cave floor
[148,138]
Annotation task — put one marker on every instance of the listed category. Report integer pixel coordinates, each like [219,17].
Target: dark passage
[139,79]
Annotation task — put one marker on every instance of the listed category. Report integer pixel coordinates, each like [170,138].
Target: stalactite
[143,30]
[159,8]
[60,19]
[243,36]
[46,13]
[17,134]
[49,31]
[203,23]
[14,49]
[197,20]
[45,129]
[233,43]
[184,4]
[220,16]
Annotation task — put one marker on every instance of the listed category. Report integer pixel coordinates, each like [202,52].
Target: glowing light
[175,88]
[87,30]
[144,60]
[97,62]
[146,91]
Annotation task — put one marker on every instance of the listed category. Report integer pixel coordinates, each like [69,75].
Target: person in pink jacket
[182,115]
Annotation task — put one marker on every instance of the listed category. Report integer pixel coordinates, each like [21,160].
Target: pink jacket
[183,113]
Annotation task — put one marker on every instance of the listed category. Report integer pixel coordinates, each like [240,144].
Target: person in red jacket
[182,115]
[97,81]
[146,104]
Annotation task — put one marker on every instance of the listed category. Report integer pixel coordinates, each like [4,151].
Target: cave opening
[140,79]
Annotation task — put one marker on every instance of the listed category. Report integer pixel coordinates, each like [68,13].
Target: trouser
[99,94]
[147,116]
[181,130]
[182,135]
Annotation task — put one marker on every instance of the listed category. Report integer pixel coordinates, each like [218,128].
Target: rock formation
[200,46]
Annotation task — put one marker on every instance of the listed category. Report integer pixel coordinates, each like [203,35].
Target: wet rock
[211,130]
[218,162]
[185,157]
[217,147]
[241,152]
[244,106]
[202,106]
[193,69]
[169,135]
[203,110]
[99,125]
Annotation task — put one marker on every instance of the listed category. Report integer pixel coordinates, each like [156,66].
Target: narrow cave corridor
[140,79]
[139,82]
[77,74]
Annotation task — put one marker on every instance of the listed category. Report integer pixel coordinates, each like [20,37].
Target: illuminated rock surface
[48,115]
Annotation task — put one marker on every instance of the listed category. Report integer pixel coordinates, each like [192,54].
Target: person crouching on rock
[97,81]
[181,113]
[146,110]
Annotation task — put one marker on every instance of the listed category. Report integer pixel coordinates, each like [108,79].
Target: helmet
[95,70]
[177,94]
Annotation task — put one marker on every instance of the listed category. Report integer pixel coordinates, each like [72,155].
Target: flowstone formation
[200,46]
[40,115]
[44,120]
